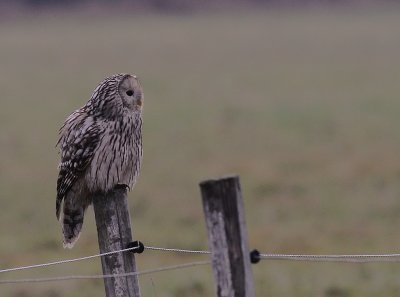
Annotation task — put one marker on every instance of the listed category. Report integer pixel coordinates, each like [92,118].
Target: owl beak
[139,102]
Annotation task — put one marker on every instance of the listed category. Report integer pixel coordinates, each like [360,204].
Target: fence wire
[102,276]
[65,261]
[334,258]
[361,258]
[344,258]
[176,250]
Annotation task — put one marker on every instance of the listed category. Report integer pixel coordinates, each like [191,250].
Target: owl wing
[79,138]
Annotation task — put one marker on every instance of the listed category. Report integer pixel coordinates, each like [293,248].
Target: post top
[222,178]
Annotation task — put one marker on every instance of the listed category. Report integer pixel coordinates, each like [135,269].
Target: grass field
[304,105]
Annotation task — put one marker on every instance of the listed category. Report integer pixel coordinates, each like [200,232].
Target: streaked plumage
[101,147]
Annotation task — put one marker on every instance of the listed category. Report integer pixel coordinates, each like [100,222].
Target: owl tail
[72,221]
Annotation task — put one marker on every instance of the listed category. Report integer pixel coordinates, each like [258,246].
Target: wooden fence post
[227,236]
[114,233]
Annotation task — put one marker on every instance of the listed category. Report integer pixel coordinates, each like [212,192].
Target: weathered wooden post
[114,233]
[227,236]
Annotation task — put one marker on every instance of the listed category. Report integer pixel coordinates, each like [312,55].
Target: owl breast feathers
[101,147]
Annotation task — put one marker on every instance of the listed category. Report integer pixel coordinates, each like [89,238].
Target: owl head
[115,96]
[130,91]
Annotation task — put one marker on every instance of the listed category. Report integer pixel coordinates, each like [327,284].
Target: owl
[101,147]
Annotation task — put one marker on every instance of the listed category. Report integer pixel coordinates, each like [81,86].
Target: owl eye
[129,92]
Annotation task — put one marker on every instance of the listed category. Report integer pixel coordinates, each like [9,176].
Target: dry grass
[303,105]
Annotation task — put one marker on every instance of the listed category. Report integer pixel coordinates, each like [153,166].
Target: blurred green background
[303,104]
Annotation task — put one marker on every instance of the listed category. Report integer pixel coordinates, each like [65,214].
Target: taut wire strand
[356,258]
[77,277]
[65,261]
[334,258]
[176,250]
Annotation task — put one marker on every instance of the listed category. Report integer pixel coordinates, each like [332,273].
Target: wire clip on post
[137,245]
[255,256]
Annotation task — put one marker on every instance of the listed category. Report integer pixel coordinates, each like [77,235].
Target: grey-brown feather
[101,147]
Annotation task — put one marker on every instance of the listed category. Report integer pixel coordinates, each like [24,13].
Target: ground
[303,105]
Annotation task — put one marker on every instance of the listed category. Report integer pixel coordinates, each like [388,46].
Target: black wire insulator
[255,256]
[138,245]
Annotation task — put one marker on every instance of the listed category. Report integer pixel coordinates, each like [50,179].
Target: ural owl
[101,147]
